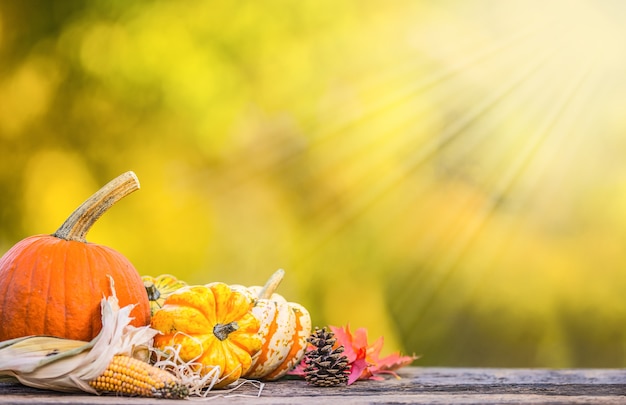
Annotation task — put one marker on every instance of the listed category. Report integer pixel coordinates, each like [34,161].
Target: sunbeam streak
[419,153]
[402,76]
[513,173]
[464,193]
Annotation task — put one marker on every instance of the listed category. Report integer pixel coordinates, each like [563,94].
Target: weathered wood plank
[417,385]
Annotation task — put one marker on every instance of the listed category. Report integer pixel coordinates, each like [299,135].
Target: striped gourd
[128,376]
[285,327]
[159,288]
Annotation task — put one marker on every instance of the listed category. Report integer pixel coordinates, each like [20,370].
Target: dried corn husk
[68,365]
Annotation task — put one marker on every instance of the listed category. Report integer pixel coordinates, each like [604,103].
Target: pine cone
[325,366]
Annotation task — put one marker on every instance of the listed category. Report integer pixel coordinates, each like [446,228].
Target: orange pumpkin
[53,284]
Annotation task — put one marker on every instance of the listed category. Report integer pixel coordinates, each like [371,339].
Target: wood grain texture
[417,386]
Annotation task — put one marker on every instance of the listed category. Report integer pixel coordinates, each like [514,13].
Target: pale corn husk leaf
[68,365]
[200,383]
[190,373]
[25,353]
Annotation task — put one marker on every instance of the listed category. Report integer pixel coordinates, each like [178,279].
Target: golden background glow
[449,174]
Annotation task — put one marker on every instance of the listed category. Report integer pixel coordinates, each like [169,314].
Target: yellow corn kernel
[131,377]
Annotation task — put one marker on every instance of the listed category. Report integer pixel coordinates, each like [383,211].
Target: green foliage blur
[448,175]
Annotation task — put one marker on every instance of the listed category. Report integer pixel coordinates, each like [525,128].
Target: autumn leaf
[364,359]
[358,366]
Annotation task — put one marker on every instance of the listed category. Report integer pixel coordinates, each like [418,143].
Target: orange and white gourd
[285,327]
[212,325]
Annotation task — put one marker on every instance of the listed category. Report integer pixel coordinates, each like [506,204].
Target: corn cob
[131,377]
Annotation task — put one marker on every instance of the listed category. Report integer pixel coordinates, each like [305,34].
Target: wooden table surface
[417,386]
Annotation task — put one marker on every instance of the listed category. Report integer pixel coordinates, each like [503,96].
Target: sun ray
[472,145]
[423,151]
[343,118]
[439,271]
[400,89]
[541,177]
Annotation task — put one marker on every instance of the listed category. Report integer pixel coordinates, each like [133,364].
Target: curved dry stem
[82,219]
[272,284]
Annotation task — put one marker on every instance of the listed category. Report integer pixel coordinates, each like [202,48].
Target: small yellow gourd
[159,288]
[214,326]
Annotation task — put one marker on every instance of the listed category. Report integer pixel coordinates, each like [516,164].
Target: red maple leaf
[364,359]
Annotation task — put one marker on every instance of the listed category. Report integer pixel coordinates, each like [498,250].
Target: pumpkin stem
[222,330]
[272,284]
[82,219]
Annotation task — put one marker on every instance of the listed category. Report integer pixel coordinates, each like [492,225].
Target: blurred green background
[448,174]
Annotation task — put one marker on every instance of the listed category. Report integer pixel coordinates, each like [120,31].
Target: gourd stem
[82,219]
[272,284]
[222,330]
[152,290]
